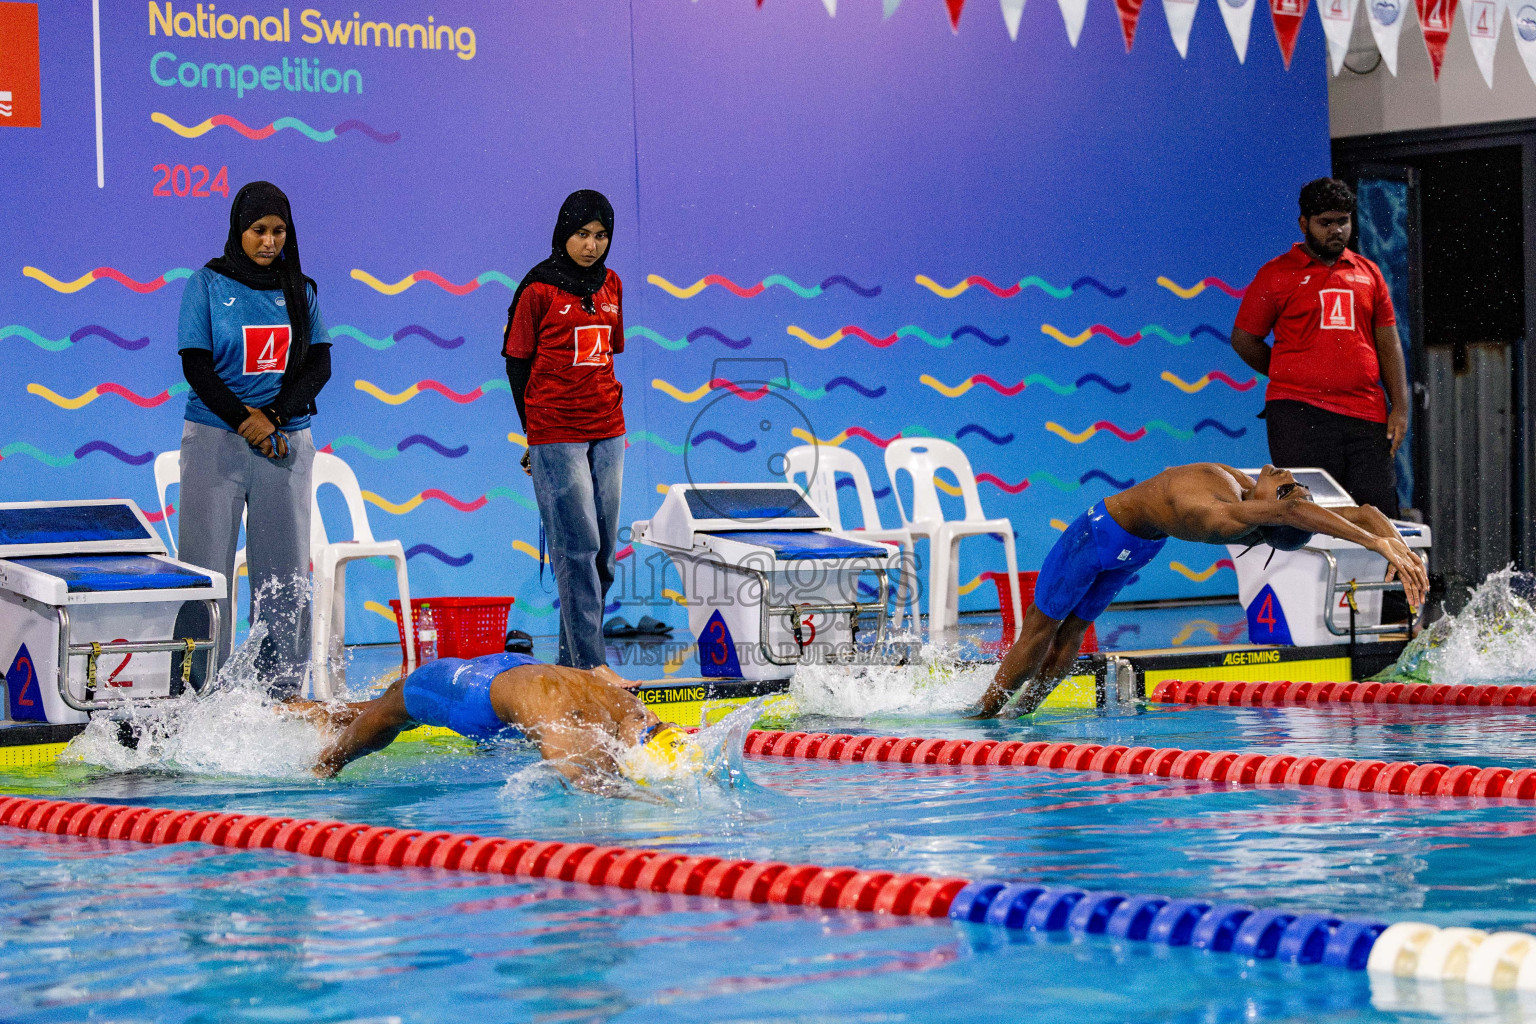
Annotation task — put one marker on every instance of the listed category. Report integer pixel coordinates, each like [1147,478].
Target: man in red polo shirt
[1335,344]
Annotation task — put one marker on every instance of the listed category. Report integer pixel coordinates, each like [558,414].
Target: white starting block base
[1292,601]
[756,561]
[88,608]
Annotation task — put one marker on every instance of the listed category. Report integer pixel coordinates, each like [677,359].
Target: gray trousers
[223,478]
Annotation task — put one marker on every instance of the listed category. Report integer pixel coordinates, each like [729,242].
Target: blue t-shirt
[248,333]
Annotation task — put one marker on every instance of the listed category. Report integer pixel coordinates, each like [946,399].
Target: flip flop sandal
[519,642]
[648,626]
[618,628]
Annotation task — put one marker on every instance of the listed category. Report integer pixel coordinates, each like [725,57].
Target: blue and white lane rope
[1219,927]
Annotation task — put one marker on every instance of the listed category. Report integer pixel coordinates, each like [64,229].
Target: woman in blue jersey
[255,353]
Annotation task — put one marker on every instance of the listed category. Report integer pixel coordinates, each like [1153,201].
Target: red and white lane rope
[1398,778]
[881,892]
[1271,694]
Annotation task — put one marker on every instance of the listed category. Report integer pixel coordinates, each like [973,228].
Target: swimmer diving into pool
[589,727]
[1205,502]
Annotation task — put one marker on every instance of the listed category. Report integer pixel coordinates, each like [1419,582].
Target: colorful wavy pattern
[755,393]
[532,552]
[59,461]
[660,442]
[432,277]
[1194,387]
[85,398]
[705,436]
[267,131]
[984,433]
[390,340]
[456,561]
[74,338]
[415,501]
[879,492]
[1204,574]
[109,274]
[1125,629]
[678,344]
[1221,634]
[912,430]
[1140,432]
[752,291]
[1127,340]
[977,281]
[437,387]
[1200,286]
[902,332]
[1009,390]
[358,444]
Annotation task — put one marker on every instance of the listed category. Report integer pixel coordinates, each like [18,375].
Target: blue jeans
[578,487]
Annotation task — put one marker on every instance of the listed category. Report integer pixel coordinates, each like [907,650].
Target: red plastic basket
[1027,595]
[467,627]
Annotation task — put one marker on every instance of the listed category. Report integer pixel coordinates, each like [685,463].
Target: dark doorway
[1443,213]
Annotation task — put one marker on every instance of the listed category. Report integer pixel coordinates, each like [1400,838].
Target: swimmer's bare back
[579,719]
[1211,503]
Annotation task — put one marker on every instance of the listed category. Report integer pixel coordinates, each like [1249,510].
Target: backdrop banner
[1033,249]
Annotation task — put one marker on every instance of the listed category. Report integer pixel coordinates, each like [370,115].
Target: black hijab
[579,209]
[253,202]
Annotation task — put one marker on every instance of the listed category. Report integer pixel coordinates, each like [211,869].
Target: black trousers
[1355,452]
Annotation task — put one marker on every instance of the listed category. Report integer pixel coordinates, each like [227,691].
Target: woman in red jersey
[564,326]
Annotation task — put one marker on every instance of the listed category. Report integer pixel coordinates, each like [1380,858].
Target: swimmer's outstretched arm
[374,727]
[1364,526]
[584,754]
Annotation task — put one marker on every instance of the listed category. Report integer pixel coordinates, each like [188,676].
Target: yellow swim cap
[665,752]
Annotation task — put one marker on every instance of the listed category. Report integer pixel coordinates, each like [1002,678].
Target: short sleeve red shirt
[1325,321]
[572,394]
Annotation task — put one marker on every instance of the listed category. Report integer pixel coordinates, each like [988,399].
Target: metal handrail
[68,650]
[1333,592]
[765,609]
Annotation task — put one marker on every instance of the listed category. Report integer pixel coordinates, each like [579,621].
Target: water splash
[232,728]
[723,779]
[941,680]
[1492,640]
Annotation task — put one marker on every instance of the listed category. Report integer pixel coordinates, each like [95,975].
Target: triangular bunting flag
[890,7]
[1072,13]
[1238,14]
[1013,10]
[1522,14]
[1435,19]
[1484,19]
[831,6]
[1386,21]
[1181,17]
[1287,15]
[1130,12]
[1338,24]
[955,7]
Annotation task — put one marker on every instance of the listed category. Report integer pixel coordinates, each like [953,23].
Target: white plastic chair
[920,458]
[820,465]
[329,563]
[168,475]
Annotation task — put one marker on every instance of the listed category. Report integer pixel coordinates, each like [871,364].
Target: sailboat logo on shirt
[266,348]
[1338,309]
[592,345]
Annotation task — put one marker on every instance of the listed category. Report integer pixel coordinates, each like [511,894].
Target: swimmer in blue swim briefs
[1204,502]
[584,721]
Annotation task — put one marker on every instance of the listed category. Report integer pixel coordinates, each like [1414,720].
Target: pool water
[120,932]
